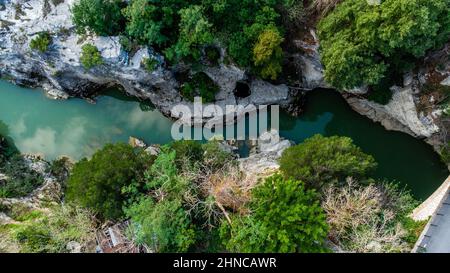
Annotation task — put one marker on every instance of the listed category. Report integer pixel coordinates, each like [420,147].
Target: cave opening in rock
[242,89]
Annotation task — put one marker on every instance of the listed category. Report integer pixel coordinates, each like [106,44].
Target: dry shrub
[363,219]
[227,190]
[349,207]
[223,191]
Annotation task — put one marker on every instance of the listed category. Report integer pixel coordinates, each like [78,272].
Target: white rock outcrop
[265,160]
[60,74]
[399,114]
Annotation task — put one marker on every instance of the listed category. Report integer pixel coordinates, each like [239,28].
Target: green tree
[153,22]
[267,53]
[246,20]
[21,179]
[97,183]
[103,17]
[160,220]
[320,160]
[194,32]
[163,226]
[90,56]
[286,218]
[41,42]
[363,43]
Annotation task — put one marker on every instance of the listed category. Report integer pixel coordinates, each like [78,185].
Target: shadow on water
[400,157]
[7,145]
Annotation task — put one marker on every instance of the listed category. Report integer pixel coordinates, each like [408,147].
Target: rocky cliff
[412,109]
[60,74]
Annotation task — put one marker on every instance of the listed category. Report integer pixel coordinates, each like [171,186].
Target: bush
[286,218]
[126,43]
[195,32]
[103,17]
[150,64]
[21,179]
[373,218]
[212,55]
[60,168]
[159,220]
[90,56]
[363,43]
[200,85]
[164,226]
[267,53]
[97,183]
[294,14]
[320,160]
[188,153]
[41,42]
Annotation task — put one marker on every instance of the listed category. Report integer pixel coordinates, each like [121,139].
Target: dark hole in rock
[242,89]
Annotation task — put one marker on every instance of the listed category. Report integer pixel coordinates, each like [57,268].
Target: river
[76,128]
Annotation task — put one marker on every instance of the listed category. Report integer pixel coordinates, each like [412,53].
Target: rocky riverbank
[60,74]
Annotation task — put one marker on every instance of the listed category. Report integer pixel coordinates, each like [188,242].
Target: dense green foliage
[97,183]
[172,214]
[268,54]
[252,32]
[41,42]
[150,64]
[195,31]
[90,56]
[286,218]
[193,198]
[103,17]
[21,179]
[362,43]
[162,223]
[200,84]
[320,160]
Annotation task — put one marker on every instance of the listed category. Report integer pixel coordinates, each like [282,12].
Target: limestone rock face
[309,62]
[399,114]
[446,81]
[60,74]
[264,161]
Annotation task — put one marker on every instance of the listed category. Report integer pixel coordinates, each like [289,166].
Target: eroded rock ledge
[61,75]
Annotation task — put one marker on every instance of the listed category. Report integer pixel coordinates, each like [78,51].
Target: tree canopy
[97,183]
[362,43]
[320,160]
[102,17]
[286,218]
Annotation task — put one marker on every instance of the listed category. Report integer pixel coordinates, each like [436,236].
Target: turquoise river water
[76,128]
